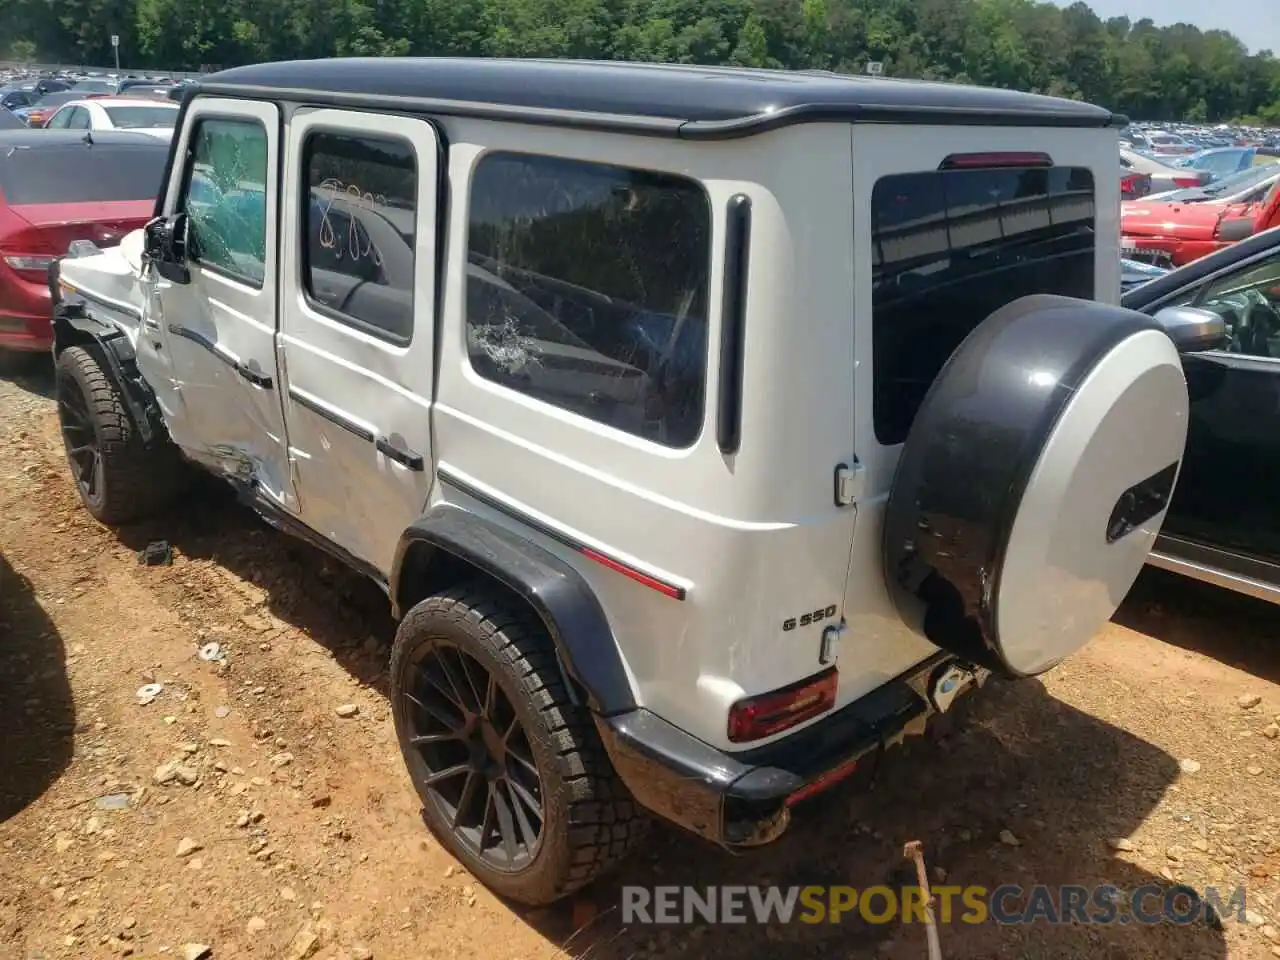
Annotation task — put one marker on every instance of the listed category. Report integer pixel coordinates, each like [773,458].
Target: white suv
[709,429]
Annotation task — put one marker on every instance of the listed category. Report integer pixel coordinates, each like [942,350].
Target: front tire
[513,778]
[119,478]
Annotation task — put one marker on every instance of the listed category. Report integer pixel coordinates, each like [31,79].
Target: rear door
[219,327]
[357,333]
[950,224]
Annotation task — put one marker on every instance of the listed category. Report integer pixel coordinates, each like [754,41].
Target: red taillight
[1186,181]
[769,713]
[1129,184]
[970,161]
[23,249]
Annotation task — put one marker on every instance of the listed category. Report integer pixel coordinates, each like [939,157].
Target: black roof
[28,137]
[662,99]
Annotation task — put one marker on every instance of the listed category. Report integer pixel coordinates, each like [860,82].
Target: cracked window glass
[587,289]
[226,202]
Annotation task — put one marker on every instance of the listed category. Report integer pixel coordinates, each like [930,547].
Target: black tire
[119,478]
[589,820]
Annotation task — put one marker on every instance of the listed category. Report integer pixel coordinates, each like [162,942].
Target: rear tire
[119,478]
[513,778]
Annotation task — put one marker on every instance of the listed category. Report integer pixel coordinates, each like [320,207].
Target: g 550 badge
[807,619]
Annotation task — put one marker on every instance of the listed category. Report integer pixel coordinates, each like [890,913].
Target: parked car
[117,113]
[12,98]
[1174,234]
[1220,162]
[56,188]
[99,85]
[1163,175]
[1166,144]
[1134,185]
[1232,189]
[37,113]
[1223,526]
[501,412]
[9,121]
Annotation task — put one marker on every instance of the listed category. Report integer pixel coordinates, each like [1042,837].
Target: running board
[1204,571]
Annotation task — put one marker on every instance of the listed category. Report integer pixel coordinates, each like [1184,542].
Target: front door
[357,330]
[218,328]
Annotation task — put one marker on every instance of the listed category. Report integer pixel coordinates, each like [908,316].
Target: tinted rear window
[950,248]
[80,174]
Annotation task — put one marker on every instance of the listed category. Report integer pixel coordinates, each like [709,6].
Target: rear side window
[76,173]
[127,118]
[951,247]
[587,289]
[361,214]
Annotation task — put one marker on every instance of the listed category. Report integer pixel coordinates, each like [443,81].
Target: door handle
[407,458]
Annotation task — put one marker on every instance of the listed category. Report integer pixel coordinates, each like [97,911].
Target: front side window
[587,288]
[1248,300]
[951,247]
[226,198]
[360,218]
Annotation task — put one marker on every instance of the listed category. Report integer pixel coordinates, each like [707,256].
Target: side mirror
[165,245]
[1192,329]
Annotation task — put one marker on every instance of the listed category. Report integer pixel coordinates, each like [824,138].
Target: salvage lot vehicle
[1223,526]
[153,118]
[567,420]
[1176,233]
[55,189]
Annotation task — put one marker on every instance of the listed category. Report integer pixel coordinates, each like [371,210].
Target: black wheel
[513,778]
[118,477]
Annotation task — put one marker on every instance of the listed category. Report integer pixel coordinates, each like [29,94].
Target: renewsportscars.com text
[1008,904]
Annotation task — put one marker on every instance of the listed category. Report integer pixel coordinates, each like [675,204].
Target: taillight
[1129,184]
[770,713]
[1186,181]
[23,249]
[969,161]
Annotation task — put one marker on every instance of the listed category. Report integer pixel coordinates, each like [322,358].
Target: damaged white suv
[709,429]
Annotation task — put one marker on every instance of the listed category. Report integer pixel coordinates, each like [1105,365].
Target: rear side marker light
[653,583]
[1186,181]
[819,784]
[971,161]
[756,717]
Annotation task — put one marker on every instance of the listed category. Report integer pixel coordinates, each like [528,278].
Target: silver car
[1163,176]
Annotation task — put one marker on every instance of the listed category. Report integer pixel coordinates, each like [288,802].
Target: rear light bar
[761,716]
[971,161]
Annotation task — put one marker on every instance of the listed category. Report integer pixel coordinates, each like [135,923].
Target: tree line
[1134,67]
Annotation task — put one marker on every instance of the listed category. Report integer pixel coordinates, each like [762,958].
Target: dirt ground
[284,830]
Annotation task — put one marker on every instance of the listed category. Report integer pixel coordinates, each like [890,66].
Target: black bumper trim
[738,798]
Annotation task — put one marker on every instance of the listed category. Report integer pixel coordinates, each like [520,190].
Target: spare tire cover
[1034,480]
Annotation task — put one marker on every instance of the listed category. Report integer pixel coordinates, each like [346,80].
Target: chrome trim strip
[1235,582]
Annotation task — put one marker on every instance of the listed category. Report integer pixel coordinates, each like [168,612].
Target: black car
[11,98]
[1223,525]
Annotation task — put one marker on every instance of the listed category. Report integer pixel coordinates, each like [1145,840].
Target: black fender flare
[559,594]
[74,324]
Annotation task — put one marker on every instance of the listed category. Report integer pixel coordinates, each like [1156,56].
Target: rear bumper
[25,332]
[744,799]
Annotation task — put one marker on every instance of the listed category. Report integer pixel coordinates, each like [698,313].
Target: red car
[57,186]
[1176,233]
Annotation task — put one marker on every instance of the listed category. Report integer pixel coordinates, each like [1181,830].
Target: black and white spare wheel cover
[1034,480]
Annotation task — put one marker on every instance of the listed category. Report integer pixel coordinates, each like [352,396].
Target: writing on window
[360,216]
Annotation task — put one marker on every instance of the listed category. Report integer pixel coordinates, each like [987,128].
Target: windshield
[1243,180]
[127,118]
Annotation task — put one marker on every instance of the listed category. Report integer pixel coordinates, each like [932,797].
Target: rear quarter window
[949,248]
[77,173]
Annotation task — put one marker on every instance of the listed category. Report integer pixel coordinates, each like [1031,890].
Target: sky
[1255,22]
